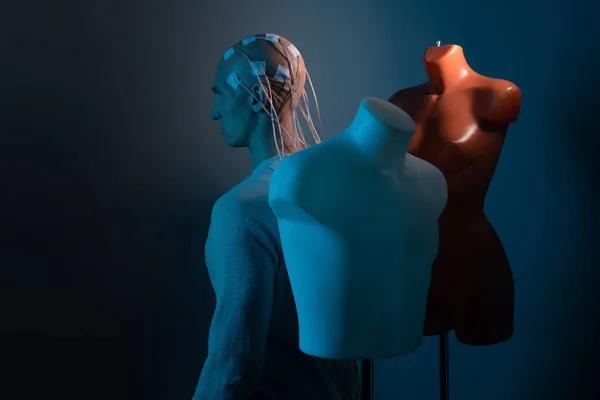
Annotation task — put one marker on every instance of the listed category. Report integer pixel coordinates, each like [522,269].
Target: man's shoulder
[245,201]
[228,205]
[244,215]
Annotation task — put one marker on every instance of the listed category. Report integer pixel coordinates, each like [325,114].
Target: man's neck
[261,145]
[446,67]
[260,156]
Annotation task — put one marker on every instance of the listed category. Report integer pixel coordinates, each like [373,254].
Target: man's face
[231,108]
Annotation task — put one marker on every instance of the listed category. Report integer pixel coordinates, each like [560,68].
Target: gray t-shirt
[253,341]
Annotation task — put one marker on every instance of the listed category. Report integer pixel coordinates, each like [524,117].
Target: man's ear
[258,98]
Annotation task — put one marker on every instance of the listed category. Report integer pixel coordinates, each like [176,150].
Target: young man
[253,342]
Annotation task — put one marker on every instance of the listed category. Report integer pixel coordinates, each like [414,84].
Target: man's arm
[242,263]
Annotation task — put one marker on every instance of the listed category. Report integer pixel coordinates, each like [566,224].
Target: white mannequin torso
[358,225]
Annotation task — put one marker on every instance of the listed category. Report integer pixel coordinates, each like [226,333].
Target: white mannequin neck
[382,132]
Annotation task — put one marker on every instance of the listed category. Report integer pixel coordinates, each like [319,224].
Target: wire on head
[283,75]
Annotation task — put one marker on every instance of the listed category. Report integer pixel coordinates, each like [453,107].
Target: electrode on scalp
[272,37]
[294,50]
[228,53]
[258,68]
[233,81]
[281,74]
[248,40]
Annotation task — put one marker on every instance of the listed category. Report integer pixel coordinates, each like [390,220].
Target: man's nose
[215,114]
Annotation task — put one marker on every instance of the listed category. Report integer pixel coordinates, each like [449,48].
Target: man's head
[247,105]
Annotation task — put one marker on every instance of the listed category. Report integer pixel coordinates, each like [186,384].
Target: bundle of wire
[285,76]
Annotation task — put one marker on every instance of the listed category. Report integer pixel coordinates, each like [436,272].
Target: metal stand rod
[367,370]
[366,379]
[444,368]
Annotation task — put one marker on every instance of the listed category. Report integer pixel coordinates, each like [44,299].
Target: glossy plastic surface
[462,118]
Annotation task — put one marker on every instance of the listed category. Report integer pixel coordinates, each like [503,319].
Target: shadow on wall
[111,305]
[162,292]
[104,292]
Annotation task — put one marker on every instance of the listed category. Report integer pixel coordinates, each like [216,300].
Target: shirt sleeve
[242,262]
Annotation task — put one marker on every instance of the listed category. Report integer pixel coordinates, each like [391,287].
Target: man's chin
[231,142]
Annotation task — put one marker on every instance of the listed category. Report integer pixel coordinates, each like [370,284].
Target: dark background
[110,165]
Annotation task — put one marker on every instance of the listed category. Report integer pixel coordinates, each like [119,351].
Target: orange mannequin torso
[462,118]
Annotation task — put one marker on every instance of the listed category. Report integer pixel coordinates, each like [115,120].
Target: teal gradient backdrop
[112,166]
